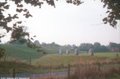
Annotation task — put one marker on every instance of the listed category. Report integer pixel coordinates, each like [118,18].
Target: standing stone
[76,52]
[90,51]
[67,51]
[60,51]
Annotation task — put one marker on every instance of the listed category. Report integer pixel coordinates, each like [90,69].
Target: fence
[77,71]
[80,71]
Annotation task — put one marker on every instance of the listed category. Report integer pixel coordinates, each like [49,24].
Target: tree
[113,10]
[17,28]
[85,46]
[97,44]
[103,49]
[2,52]
[114,47]
[97,47]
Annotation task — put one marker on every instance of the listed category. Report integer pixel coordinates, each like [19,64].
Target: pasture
[68,66]
[103,65]
[64,59]
[20,52]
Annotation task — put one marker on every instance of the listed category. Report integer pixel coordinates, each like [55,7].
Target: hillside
[20,52]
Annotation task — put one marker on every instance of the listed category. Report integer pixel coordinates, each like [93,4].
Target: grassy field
[110,65]
[20,52]
[23,53]
[8,66]
[56,59]
[83,64]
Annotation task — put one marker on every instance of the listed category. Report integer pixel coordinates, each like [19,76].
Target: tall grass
[97,70]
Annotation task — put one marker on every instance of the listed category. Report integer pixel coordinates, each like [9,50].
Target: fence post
[30,60]
[68,71]
[49,72]
[99,69]
[13,73]
[5,58]
[99,66]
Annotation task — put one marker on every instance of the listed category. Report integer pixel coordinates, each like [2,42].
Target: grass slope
[21,52]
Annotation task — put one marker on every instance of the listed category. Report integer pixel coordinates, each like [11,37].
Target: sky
[70,24]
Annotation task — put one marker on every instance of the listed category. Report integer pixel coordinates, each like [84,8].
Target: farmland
[27,60]
[101,66]
[56,59]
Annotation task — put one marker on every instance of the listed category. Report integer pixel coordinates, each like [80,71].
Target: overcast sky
[70,24]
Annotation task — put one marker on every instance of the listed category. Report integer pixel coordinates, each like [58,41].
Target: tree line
[97,47]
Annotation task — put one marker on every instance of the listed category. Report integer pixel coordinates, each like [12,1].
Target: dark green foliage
[113,10]
[2,52]
[16,28]
[50,48]
[19,41]
[7,67]
[97,47]
[75,2]
[18,33]
[23,41]
[85,46]
[100,48]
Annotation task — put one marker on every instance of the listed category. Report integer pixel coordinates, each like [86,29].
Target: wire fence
[77,71]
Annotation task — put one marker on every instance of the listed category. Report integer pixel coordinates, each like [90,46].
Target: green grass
[102,54]
[107,54]
[56,59]
[114,76]
[8,66]
[20,52]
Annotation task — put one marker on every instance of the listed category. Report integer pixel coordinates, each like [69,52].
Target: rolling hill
[20,52]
